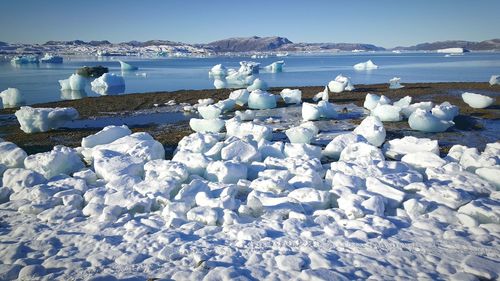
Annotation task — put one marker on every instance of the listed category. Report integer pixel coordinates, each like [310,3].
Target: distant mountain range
[230,45]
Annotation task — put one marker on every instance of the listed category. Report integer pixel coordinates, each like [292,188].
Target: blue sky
[384,23]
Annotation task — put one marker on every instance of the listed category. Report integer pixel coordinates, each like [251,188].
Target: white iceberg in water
[108,83]
[44,119]
[75,83]
[291,96]
[126,66]
[495,80]
[422,120]
[48,58]
[259,99]
[24,59]
[452,50]
[387,113]
[275,67]
[257,84]
[365,65]
[249,67]
[11,97]
[445,111]
[394,83]
[477,100]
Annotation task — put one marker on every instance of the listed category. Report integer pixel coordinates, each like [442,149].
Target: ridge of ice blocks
[240,96]
[368,65]
[34,120]
[276,66]
[107,135]
[445,111]
[494,80]
[74,83]
[387,113]
[422,120]
[11,97]
[206,125]
[372,129]
[108,82]
[11,156]
[257,84]
[337,144]
[259,99]
[290,96]
[397,148]
[60,160]
[302,134]
[394,83]
[127,66]
[209,111]
[218,70]
[477,100]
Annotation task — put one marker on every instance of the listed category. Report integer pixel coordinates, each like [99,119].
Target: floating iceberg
[445,111]
[11,98]
[75,82]
[387,113]
[44,119]
[291,96]
[368,65]
[259,99]
[108,83]
[218,71]
[24,59]
[275,67]
[257,85]
[372,129]
[452,50]
[477,100]
[249,67]
[240,96]
[422,120]
[206,125]
[126,66]
[394,83]
[48,58]
[495,80]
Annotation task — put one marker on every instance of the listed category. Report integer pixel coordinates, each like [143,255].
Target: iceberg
[126,66]
[75,82]
[291,96]
[259,99]
[368,65]
[24,59]
[495,80]
[108,83]
[477,100]
[218,71]
[422,120]
[249,67]
[275,67]
[452,50]
[394,83]
[445,111]
[48,58]
[206,126]
[240,96]
[372,129]
[257,85]
[387,113]
[11,98]
[34,120]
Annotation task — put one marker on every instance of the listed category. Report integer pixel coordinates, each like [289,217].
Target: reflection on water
[113,90]
[73,95]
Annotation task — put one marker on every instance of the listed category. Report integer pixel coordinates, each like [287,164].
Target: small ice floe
[11,97]
[290,96]
[477,100]
[75,82]
[143,74]
[259,99]
[394,83]
[126,66]
[48,58]
[258,84]
[495,80]
[108,83]
[423,120]
[368,65]
[34,120]
[275,67]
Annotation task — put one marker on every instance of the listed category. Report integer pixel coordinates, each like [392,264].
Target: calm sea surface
[39,83]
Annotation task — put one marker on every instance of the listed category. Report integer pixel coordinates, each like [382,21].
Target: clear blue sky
[384,23]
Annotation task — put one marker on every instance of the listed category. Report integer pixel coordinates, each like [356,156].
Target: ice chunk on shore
[108,82]
[44,119]
[445,111]
[408,110]
[18,179]
[275,67]
[327,110]
[301,134]
[75,83]
[257,84]
[310,111]
[495,80]
[397,148]
[11,98]
[259,99]
[424,121]
[206,125]
[335,147]
[490,174]
[107,135]
[322,95]
[60,160]
[348,86]
[422,160]
[387,113]
[371,101]
[11,156]
[127,66]
[240,130]
[240,96]
[368,65]
[477,100]
[361,153]
[394,83]
[209,111]
[372,129]
[291,96]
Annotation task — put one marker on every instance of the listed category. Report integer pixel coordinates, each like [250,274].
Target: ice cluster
[232,78]
[11,97]
[34,120]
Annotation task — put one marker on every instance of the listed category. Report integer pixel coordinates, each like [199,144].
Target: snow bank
[275,67]
[477,100]
[11,97]
[34,120]
[368,65]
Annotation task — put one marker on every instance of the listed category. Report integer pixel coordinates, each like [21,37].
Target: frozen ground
[230,208]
